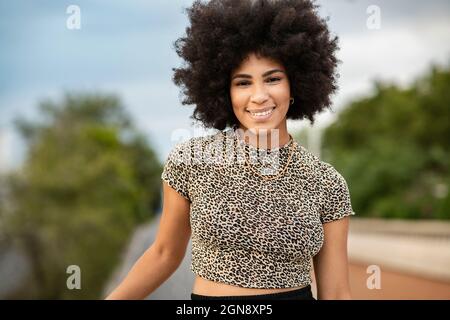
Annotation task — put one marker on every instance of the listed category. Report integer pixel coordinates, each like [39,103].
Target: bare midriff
[206,287]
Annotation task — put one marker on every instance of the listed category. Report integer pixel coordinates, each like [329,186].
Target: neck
[264,138]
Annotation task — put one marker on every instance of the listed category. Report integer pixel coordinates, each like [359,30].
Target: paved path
[177,287]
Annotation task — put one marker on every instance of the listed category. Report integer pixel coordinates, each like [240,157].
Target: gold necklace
[267,178]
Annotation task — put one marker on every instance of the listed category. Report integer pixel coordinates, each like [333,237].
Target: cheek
[237,99]
[281,94]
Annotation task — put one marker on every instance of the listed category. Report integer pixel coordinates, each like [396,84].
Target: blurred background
[88,114]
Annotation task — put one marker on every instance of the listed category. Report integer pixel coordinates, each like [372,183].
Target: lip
[261,118]
[260,110]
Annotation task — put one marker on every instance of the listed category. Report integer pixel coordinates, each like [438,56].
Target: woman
[259,207]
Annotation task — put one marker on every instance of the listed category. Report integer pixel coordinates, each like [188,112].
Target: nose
[260,94]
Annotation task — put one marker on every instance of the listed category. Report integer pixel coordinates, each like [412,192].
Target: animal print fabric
[247,231]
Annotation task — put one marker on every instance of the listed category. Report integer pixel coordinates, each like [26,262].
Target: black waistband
[302,293]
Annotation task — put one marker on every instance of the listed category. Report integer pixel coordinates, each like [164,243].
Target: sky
[126,48]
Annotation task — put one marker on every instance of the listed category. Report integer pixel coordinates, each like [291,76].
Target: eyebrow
[242,75]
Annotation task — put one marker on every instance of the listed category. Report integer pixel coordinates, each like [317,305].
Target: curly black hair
[222,33]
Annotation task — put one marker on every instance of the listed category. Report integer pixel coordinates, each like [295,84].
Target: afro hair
[222,33]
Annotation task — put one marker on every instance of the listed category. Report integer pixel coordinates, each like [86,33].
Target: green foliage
[88,180]
[392,148]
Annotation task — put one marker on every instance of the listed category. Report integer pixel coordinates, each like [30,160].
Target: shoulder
[334,193]
[324,171]
[329,173]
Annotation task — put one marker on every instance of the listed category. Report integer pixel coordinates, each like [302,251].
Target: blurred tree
[393,149]
[89,178]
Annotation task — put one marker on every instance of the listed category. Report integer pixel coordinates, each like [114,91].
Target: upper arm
[174,227]
[331,263]
[335,201]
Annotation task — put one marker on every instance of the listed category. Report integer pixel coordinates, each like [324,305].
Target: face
[260,94]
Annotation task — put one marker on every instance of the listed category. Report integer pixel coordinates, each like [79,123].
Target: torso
[211,288]
[251,236]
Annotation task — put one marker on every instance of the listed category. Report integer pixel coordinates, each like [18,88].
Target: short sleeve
[335,196]
[176,171]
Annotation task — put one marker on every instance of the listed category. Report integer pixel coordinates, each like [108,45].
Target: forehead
[254,63]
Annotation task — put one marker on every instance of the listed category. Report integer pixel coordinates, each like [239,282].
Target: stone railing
[417,247]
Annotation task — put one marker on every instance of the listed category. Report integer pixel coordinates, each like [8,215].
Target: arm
[164,256]
[331,263]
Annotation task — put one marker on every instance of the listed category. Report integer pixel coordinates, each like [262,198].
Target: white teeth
[260,114]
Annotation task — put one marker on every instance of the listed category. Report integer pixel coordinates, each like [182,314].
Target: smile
[261,115]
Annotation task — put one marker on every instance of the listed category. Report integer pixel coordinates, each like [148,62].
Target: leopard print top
[248,231]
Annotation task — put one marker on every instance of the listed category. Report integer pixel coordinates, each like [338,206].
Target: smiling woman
[262,100]
[255,225]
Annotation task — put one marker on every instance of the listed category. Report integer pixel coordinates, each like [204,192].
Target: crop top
[247,231]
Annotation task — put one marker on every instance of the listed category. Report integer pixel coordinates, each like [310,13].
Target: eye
[274,79]
[243,83]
